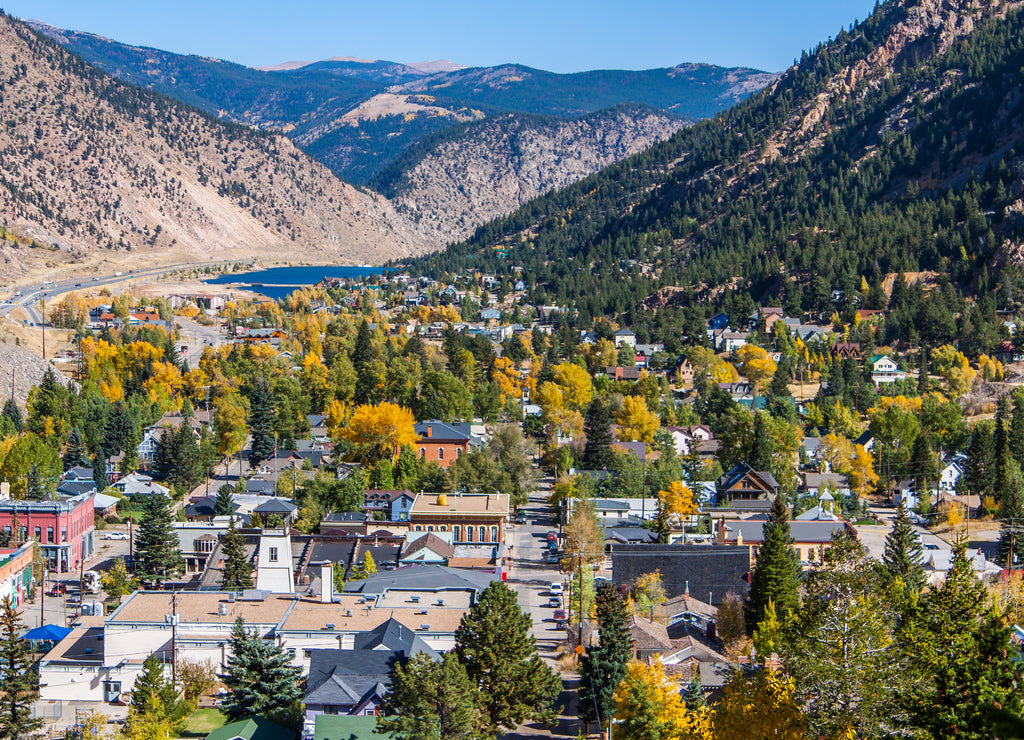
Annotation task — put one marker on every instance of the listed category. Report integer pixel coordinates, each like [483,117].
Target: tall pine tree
[603,667]
[494,642]
[237,574]
[76,452]
[13,413]
[597,454]
[262,416]
[157,550]
[432,699]
[1010,547]
[19,684]
[903,556]
[760,457]
[776,574]
[260,679]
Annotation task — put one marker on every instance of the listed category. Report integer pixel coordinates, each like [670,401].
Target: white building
[885,370]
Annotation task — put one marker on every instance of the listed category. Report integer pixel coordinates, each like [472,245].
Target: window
[483,534]
[458,452]
[23,533]
[457,533]
[423,453]
[418,528]
[469,533]
[430,527]
[39,533]
[49,534]
[440,453]
[443,528]
[273,554]
[494,534]
[63,534]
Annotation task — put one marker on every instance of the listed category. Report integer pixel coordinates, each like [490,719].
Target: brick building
[64,529]
[443,442]
[474,518]
[16,572]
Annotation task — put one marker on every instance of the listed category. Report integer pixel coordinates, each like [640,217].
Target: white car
[555,589]
[115,536]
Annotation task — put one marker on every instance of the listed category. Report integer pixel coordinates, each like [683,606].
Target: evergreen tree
[776,574]
[903,556]
[923,466]
[119,429]
[597,454]
[362,350]
[957,662]
[604,667]
[224,504]
[260,679]
[99,473]
[1010,547]
[1015,433]
[19,684]
[237,575]
[262,416]
[163,456]
[188,462]
[432,699]
[494,642]
[36,485]
[76,453]
[13,413]
[979,471]
[761,445]
[151,684]
[157,550]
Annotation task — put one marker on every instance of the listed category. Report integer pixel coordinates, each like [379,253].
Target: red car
[552,536]
[59,589]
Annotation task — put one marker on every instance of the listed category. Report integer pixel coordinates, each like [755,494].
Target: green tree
[117,582]
[903,557]
[262,417]
[443,396]
[957,653]
[237,575]
[603,667]
[151,685]
[1010,546]
[776,574]
[761,444]
[260,679]
[494,643]
[76,452]
[19,687]
[432,699]
[839,649]
[157,550]
[597,454]
[120,430]
[224,504]
[12,413]
[37,487]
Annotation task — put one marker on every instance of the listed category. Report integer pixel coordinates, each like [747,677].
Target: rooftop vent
[424,627]
[329,626]
[423,612]
[414,599]
[222,608]
[348,612]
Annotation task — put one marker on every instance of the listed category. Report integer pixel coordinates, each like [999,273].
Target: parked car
[555,603]
[552,536]
[115,536]
[521,518]
[552,546]
[555,589]
[559,615]
[554,558]
[59,589]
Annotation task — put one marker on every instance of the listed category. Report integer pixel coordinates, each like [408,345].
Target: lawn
[202,721]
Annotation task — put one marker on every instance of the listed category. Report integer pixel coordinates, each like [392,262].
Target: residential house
[846,350]
[253,728]
[684,373]
[733,340]
[815,484]
[763,318]
[624,336]
[950,474]
[430,548]
[810,538]
[140,484]
[623,373]
[885,370]
[743,482]
[392,505]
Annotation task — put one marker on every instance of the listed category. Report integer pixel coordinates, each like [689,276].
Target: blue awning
[48,632]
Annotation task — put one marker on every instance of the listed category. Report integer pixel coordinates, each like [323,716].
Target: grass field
[202,721]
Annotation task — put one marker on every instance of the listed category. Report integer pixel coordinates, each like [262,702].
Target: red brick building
[443,442]
[64,529]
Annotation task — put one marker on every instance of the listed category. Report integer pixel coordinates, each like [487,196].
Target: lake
[277,282]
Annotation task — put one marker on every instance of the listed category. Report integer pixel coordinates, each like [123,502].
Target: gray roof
[422,578]
[276,506]
[394,636]
[608,504]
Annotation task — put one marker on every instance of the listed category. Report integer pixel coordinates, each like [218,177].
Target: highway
[29,296]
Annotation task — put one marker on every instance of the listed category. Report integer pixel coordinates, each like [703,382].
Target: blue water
[278,282]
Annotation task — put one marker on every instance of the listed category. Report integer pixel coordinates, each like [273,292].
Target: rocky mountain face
[92,168]
[358,116]
[445,189]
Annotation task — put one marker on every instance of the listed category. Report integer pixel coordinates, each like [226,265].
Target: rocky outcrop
[503,162]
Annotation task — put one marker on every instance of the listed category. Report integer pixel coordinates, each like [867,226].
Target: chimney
[326,582]
[430,431]
[739,537]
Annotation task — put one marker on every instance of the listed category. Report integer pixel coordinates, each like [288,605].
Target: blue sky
[558,35]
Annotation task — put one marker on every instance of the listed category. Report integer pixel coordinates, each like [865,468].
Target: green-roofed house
[345,727]
[254,728]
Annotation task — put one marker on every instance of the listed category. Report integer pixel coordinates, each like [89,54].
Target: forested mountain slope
[93,168]
[897,146]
